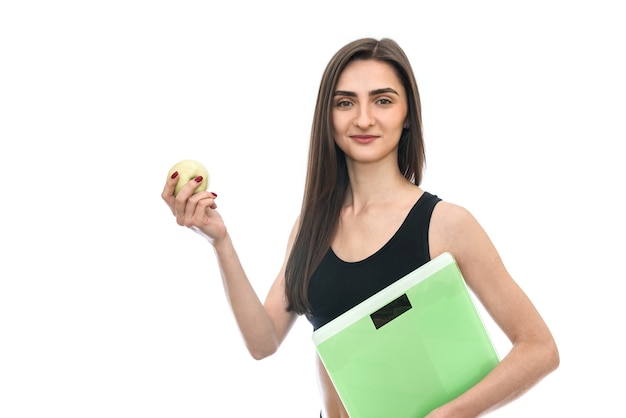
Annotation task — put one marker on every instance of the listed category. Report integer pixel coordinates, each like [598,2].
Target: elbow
[547,357]
[554,358]
[263,343]
[542,356]
[259,353]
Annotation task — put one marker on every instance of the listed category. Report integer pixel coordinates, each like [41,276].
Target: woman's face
[369,111]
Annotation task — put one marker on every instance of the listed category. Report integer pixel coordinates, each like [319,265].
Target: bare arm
[534,353]
[262,325]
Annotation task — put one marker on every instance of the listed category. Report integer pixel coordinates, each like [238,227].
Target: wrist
[212,240]
[222,243]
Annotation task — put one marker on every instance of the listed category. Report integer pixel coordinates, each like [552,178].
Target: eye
[384,101]
[343,103]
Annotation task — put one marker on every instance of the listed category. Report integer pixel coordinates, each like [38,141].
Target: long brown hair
[327,175]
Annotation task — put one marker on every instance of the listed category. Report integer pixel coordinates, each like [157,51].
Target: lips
[363,139]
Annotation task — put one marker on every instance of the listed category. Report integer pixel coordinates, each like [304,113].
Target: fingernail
[214,195]
[174,174]
[198,179]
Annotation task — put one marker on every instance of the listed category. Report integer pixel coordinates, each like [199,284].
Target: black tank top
[337,285]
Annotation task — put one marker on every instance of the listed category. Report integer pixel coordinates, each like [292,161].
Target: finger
[204,208]
[190,187]
[168,191]
[203,195]
[197,207]
[170,185]
[182,200]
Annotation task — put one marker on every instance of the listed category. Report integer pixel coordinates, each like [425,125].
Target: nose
[364,118]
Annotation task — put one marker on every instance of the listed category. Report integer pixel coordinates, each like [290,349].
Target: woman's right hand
[196,211]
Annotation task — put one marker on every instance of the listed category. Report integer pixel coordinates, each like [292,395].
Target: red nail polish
[174,174]
[214,195]
[198,179]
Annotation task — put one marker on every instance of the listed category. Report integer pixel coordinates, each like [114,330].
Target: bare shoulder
[452,227]
[448,214]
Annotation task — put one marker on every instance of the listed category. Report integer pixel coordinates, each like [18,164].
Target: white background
[109,309]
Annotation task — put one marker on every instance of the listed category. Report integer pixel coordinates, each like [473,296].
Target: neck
[372,184]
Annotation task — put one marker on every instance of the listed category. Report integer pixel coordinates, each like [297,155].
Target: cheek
[336,120]
[398,123]
[338,125]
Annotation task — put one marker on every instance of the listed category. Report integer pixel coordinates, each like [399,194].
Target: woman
[363,211]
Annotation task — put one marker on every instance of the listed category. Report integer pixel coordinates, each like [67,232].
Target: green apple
[188,170]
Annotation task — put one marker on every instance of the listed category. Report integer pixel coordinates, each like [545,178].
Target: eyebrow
[371,93]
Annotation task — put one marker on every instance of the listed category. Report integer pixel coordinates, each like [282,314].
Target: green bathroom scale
[410,348]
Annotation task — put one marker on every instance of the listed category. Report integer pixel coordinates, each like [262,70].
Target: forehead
[367,75]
